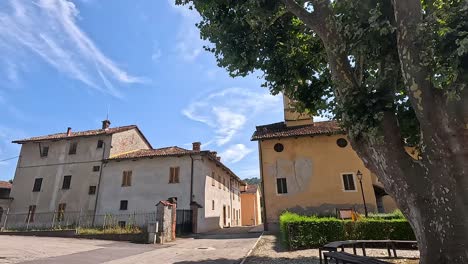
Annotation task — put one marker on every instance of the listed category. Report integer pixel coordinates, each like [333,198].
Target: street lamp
[359,176]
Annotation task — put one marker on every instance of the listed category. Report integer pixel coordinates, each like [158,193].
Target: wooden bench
[391,245]
[346,258]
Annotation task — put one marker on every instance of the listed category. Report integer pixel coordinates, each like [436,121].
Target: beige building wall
[313,168]
[251,208]
[150,184]
[126,141]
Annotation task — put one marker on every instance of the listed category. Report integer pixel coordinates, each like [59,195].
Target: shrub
[311,231]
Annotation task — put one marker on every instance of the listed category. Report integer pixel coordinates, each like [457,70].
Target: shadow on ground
[255,260]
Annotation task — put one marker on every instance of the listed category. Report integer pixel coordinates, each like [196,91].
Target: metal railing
[74,220]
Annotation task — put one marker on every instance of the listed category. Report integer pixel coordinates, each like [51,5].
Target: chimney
[69,131]
[196,146]
[218,158]
[106,124]
[213,153]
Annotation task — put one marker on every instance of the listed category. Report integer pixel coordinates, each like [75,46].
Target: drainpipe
[230,199]
[191,180]
[99,182]
[264,214]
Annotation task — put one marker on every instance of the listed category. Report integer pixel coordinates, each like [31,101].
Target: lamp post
[359,176]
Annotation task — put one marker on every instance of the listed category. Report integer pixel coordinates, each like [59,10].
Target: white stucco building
[116,171]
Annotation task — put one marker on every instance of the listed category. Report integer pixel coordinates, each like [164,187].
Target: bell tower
[292,117]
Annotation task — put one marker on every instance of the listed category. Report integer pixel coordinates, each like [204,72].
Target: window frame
[96,168]
[73,146]
[69,182]
[93,188]
[121,207]
[40,184]
[343,185]
[284,192]
[174,173]
[44,151]
[127,178]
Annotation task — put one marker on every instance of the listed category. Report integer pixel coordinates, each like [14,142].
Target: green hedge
[310,231]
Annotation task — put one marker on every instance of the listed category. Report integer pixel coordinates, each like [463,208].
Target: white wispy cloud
[227,111]
[189,45]
[235,153]
[48,29]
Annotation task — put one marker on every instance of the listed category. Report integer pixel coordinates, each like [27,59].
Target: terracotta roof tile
[5,185]
[146,153]
[86,133]
[280,130]
[250,189]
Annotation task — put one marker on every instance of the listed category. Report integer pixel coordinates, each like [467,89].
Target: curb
[250,251]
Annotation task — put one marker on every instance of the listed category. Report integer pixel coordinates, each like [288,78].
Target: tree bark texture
[432,191]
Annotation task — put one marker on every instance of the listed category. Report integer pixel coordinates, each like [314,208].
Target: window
[281,185]
[348,182]
[123,205]
[96,168]
[31,212]
[341,142]
[66,182]
[127,178]
[61,212]
[100,144]
[37,185]
[122,224]
[72,149]
[174,175]
[44,151]
[213,180]
[278,147]
[212,204]
[92,190]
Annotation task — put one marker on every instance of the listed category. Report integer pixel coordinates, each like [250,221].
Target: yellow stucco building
[251,205]
[310,168]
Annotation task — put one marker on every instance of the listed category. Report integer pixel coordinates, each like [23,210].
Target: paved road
[209,249]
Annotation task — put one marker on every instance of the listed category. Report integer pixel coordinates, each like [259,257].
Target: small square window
[73,146]
[66,182]
[96,168]
[92,190]
[100,144]
[44,151]
[281,185]
[122,224]
[123,205]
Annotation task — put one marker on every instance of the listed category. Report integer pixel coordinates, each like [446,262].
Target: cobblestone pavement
[269,250]
[201,250]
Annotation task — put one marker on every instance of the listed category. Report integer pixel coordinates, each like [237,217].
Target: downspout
[230,198]
[191,181]
[264,213]
[99,182]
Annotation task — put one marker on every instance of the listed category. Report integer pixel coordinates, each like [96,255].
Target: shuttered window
[174,175]
[126,178]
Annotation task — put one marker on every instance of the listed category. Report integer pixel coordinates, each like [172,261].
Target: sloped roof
[86,133]
[280,130]
[146,153]
[5,185]
[171,151]
[251,189]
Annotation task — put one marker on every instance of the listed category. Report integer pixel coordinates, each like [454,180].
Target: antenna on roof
[107,115]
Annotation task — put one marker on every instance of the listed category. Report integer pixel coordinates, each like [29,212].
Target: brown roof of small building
[251,189]
[87,133]
[146,153]
[5,185]
[171,151]
[280,130]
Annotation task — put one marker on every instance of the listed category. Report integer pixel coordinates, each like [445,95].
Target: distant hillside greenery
[252,181]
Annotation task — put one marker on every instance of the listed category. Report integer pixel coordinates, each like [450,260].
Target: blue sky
[64,63]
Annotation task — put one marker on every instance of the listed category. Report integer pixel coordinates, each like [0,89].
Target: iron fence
[74,220]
